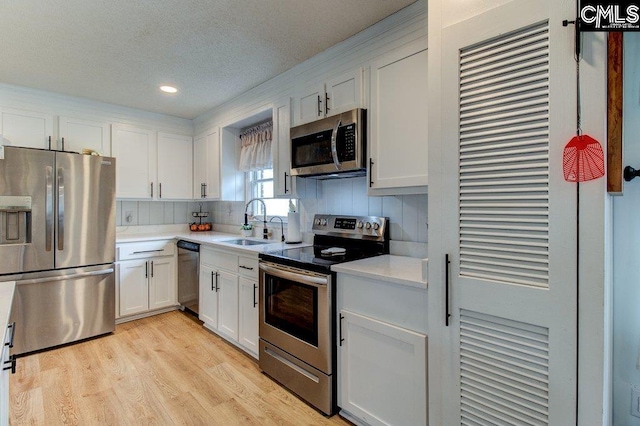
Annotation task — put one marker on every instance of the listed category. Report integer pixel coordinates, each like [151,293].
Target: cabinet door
[206,165]
[26,128]
[398,115]
[343,92]
[79,134]
[162,283]
[382,372]
[175,167]
[135,150]
[208,303]
[248,305]
[228,304]
[309,104]
[134,287]
[285,184]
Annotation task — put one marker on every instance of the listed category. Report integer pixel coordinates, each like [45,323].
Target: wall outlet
[635,400]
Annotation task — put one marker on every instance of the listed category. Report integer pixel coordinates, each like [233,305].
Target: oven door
[295,313]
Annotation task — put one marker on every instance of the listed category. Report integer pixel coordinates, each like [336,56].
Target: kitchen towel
[293,228]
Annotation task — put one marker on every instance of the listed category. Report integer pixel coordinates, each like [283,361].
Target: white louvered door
[508,79]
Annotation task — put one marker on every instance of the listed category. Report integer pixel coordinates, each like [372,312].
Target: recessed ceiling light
[168,89]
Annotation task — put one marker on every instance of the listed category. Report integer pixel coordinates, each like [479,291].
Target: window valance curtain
[256,148]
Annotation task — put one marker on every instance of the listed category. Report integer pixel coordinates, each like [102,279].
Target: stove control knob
[323,222]
[376,226]
[360,224]
[367,225]
[316,222]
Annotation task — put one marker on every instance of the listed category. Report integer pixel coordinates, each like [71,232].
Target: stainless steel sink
[245,242]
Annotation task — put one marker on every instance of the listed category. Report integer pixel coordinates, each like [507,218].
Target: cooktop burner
[337,239]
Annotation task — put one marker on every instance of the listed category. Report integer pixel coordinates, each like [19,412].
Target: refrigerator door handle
[65,277]
[49,208]
[60,209]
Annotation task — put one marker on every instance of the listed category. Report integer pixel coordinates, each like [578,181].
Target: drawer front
[146,249]
[219,260]
[248,267]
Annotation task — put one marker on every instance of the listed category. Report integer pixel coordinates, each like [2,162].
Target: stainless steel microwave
[331,147]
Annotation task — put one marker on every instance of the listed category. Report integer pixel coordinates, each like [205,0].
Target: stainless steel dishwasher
[188,275]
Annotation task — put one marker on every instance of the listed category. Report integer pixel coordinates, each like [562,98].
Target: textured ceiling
[120,51]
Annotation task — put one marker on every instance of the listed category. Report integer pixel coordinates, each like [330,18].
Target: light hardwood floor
[160,370]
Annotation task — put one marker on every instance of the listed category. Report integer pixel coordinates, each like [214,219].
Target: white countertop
[395,269]
[211,238]
[6,298]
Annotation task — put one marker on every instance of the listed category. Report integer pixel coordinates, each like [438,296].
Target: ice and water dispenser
[15,219]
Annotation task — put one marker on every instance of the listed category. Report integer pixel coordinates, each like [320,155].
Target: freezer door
[57,307]
[85,210]
[26,210]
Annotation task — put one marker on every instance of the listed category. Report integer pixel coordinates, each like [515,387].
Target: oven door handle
[312,280]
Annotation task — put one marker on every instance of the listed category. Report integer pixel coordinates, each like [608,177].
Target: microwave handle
[334,147]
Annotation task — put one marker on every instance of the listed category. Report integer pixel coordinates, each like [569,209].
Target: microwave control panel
[349,137]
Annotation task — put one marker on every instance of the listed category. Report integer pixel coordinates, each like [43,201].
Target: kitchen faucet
[281,225]
[265,232]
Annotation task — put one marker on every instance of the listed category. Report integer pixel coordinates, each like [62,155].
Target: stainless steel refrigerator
[57,241]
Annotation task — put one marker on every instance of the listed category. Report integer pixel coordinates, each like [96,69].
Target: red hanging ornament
[582,159]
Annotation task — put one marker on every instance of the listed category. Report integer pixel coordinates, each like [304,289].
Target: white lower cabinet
[228,305]
[383,371]
[382,352]
[208,297]
[248,304]
[147,278]
[228,290]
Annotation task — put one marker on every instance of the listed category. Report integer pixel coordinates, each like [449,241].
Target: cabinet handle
[151,189]
[160,190]
[326,103]
[217,287]
[255,302]
[152,269]
[12,328]
[319,106]
[63,144]
[146,269]
[205,190]
[11,364]
[371,163]
[212,287]
[49,143]
[147,251]
[246,267]
[340,329]
[285,183]
[447,315]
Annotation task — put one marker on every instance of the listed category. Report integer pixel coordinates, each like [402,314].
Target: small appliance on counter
[57,242]
[298,300]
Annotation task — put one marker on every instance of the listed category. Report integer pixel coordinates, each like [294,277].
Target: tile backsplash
[138,213]
[407,213]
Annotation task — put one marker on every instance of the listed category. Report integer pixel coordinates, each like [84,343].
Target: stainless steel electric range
[297,304]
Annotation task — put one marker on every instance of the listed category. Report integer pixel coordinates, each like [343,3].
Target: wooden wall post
[614,113]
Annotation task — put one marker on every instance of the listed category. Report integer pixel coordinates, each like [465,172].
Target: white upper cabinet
[135,152]
[27,128]
[206,161]
[152,166]
[76,134]
[333,96]
[285,184]
[175,165]
[398,122]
